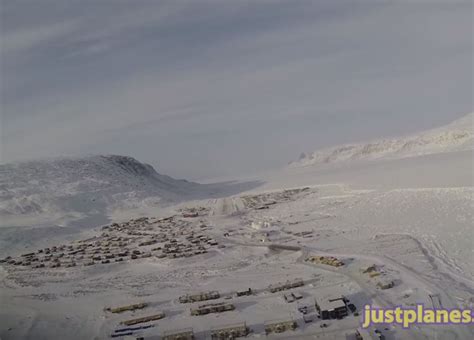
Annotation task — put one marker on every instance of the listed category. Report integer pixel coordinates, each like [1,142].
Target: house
[297,295]
[289,298]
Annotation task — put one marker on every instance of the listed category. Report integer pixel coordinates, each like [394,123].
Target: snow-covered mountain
[74,188]
[455,136]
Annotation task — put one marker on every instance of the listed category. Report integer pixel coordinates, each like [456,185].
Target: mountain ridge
[455,136]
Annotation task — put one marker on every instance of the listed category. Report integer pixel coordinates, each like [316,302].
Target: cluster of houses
[193,244]
[324,309]
[265,200]
[225,332]
[104,249]
[327,260]
[138,238]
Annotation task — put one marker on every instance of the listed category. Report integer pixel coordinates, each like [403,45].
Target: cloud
[21,41]
[210,88]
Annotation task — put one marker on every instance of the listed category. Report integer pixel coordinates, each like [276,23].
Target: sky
[202,89]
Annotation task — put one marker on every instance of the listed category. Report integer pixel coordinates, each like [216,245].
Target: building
[283,247]
[284,286]
[280,326]
[297,295]
[143,319]
[126,308]
[229,331]
[183,334]
[244,292]
[199,297]
[212,308]
[385,284]
[289,298]
[331,309]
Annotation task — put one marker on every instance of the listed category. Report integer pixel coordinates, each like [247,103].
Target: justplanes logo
[415,315]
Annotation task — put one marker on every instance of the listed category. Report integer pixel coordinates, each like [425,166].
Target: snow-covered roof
[329,305]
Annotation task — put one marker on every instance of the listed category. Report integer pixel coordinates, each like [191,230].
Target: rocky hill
[73,188]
